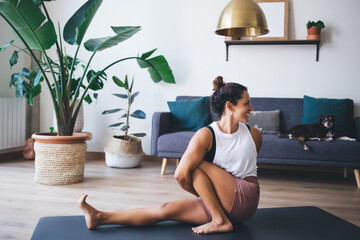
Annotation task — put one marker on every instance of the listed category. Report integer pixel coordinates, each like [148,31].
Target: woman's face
[241,111]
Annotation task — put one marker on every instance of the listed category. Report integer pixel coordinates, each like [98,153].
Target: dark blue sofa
[274,150]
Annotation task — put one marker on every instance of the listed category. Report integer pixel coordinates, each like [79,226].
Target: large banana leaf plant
[32,24]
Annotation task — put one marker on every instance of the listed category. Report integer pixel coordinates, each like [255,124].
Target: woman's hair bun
[218,83]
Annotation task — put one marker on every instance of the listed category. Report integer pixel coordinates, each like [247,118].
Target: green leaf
[125,127]
[14,59]
[116,124]
[126,83]
[124,96]
[38,2]
[131,85]
[17,80]
[39,78]
[112,111]
[37,31]
[134,96]
[99,44]
[158,68]
[96,95]
[68,60]
[88,99]
[3,48]
[124,115]
[26,73]
[96,82]
[148,54]
[118,82]
[138,134]
[77,25]
[138,114]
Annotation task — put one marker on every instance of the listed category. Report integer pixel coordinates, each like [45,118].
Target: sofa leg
[163,166]
[357,177]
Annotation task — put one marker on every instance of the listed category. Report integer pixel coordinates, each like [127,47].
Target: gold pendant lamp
[242,18]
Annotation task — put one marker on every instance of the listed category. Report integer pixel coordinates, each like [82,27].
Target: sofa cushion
[189,115]
[338,151]
[268,122]
[342,109]
[173,145]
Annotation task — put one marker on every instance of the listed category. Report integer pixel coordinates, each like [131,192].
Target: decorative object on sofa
[314,30]
[342,109]
[242,18]
[268,122]
[32,24]
[274,150]
[125,151]
[189,115]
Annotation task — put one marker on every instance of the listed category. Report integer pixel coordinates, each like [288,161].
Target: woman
[225,183]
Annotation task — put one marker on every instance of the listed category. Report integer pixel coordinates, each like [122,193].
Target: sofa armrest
[357,128]
[160,125]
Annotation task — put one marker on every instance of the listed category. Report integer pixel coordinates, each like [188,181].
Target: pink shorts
[246,200]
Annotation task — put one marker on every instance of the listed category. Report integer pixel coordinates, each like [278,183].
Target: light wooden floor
[23,202]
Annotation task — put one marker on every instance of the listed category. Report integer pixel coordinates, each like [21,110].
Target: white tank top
[235,153]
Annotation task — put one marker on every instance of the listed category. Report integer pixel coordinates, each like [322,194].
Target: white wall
[183,31]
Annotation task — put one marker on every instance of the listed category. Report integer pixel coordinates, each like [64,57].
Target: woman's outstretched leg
[187,210]
[216,189]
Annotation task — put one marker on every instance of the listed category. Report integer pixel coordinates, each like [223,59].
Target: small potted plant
[125,151]
[314,30]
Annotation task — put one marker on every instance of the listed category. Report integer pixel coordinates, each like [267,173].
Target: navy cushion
[342,109]
[189,115]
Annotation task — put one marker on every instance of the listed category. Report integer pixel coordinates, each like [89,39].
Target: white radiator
[12,123]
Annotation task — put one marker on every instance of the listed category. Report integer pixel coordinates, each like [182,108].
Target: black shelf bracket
[284,42]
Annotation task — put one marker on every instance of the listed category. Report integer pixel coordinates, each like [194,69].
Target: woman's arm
[257,137]
[199,144]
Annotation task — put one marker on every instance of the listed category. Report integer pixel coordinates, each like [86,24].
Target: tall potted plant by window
[62,162]
[125,151]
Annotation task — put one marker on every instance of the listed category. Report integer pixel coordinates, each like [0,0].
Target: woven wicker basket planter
[59,160]
[122,153]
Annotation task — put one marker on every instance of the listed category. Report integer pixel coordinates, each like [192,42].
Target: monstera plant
[32,24]
[67,78]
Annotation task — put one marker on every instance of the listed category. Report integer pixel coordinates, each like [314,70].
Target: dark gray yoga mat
[291,223]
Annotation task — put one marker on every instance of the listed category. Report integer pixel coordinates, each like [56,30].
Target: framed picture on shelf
[277,17]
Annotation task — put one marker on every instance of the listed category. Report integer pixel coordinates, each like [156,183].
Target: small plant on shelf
[319,24]
[314,30]
[130,97]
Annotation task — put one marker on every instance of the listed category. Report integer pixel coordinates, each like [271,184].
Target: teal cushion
[189,115]
[342,109]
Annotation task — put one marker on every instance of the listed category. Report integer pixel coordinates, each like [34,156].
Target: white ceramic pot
[122,153]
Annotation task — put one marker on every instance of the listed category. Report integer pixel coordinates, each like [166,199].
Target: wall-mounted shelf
[282,42]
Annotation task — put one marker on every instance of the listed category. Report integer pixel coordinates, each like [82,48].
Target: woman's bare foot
[214,226]
[91,214]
